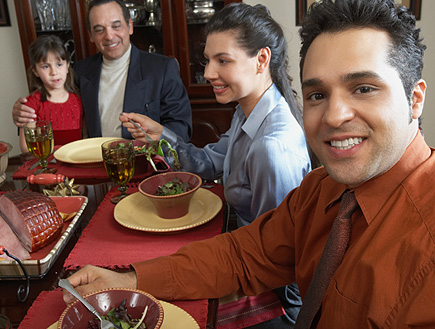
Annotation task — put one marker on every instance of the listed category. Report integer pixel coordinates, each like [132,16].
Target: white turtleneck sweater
[111,94]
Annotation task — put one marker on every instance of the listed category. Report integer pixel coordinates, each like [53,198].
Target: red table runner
[49,305]
[106,243]
[88,174]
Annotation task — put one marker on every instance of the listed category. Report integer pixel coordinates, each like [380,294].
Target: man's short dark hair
[407,49]
[94,3]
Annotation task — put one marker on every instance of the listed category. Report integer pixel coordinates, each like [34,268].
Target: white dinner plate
[138,213]
[82,151]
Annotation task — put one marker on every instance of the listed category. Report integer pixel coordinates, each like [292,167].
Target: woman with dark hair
[54,96]
[263,155]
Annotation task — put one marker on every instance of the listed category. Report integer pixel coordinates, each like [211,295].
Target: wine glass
[119,157]
[39,140]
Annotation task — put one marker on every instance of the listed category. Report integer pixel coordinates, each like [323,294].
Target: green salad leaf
[155,148]
[173,187]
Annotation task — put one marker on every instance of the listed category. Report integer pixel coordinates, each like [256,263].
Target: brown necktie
[331,259]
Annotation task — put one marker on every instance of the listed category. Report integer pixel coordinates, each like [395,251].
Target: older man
[361,63]
[122,78]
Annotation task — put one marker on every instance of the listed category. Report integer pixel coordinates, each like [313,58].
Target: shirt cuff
[155,277]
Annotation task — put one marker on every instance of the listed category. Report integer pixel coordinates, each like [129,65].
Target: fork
[105,324]
[148,139]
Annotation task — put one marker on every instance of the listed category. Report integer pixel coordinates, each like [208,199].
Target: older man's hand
[21,113]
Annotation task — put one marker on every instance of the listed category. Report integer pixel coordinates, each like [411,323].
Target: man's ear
[263,59]
[90,37]
[130,26]
[418,95]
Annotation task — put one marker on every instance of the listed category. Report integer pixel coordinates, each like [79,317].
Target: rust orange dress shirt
[386,280]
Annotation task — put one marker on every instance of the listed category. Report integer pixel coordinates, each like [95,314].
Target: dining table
[104,237]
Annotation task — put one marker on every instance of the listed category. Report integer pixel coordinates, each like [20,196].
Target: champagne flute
[119,157]
[39,140]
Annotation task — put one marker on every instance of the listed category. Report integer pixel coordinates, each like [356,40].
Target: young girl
[264,153]
[54,96]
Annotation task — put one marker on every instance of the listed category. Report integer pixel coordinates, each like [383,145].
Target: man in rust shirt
[361,63]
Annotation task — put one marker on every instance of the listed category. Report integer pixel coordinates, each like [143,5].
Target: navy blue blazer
[153,88]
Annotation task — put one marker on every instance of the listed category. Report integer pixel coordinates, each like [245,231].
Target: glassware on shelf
[151,6]
[45,11]
[62,19]
[137,12]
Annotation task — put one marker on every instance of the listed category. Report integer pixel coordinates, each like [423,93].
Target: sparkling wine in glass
[119,157]
[39,140]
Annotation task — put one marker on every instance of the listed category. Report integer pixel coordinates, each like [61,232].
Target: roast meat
[33,217]
[10,241]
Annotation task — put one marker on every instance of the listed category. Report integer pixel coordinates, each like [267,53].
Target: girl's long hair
[38,52]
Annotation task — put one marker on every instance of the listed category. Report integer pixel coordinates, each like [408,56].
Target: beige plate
[174,317]
[138,213]
[82,151]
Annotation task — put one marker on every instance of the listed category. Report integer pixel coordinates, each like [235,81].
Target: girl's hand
[152,128]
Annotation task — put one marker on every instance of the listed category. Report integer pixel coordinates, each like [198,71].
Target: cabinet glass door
[54,17]
[148,24]
[197,15]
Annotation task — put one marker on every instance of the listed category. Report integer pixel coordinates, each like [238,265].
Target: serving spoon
[104,324]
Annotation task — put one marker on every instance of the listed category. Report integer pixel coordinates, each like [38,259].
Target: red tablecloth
[49,305]
[86,174]
[104,242]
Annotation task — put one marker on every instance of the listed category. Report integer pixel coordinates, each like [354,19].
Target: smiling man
[122,78]
[361,64]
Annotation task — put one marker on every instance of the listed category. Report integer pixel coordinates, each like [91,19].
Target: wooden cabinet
[171,27]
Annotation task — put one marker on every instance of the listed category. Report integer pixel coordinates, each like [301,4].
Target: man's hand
[152,128]
[91,278]
[22,114]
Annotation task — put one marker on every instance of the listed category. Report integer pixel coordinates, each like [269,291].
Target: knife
[33,166]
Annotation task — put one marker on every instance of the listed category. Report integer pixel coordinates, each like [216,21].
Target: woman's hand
[91,278]
[152,128]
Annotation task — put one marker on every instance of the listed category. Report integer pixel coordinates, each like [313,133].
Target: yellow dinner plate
[138,213]
[82,151]
[174,317]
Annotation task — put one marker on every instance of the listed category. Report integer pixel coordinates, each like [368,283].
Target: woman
[264,154]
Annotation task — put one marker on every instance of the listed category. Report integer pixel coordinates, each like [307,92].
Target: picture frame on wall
[302,6]
[4,14]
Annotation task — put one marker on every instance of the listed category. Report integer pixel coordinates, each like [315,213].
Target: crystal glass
[46,14]
[61,15]
[39,140]
[119,157]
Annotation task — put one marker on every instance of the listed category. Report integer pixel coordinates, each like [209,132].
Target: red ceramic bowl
[77,316]
[141,163]
[5,148]
[172,206]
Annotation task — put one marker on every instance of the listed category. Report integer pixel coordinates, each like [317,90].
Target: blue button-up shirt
[261,158]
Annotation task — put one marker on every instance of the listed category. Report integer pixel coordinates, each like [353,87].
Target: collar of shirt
[264,106]
[116,63]
[373,194]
